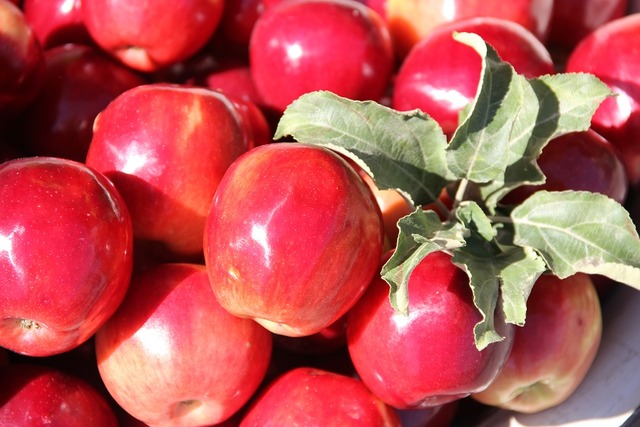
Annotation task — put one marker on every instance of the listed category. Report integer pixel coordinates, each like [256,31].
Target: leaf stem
[500,219]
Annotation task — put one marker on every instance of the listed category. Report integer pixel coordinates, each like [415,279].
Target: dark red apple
[609,53]
[313,397]
[293,237]
[37,395]
[80,81]
[21,62]
[172,354]
[336,45]
[442,87]
[428,357]
[554,350]
[154,34]
[56,22]
[65,254]
[166,148]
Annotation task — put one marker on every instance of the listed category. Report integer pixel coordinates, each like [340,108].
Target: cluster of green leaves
[503,248]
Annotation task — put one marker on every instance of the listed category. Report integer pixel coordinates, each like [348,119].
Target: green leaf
[578,231]
[400,150]
[421,233]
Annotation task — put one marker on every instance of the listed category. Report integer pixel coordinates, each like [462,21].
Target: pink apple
[171,342]
[442,88]
[314,397]
[56,22]
[37,395]
[166,148]
[555,348]
[293,237]
[79,81]
[428,357]
[65,254]
[150,35]
[336,45]
[606,53]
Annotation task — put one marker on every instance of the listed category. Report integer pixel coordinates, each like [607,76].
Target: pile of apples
[164,261]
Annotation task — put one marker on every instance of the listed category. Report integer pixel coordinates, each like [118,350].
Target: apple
[171,342]
[428,357]
[435,416]
[605,53]
[166,148]
[410,21]
[56,22]
[336,45]
[65,254]
[444,87]
[293,237]
[150,35]
[21,62]
[554,349]
[79,81]
[38,395]
[314,397]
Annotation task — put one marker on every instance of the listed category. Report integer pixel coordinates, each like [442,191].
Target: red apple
[154,34]
[293,237]
[428,357]
[65,254]
[555,348]
[56,22]
[37,395]
[21,62]
[172,343]
[314,397]
[166,148]
[80,81]
[606,53]
[336,45]
[442,88]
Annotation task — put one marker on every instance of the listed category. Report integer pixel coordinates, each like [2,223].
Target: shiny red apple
[428,357]
[336,45]
[166,148]
[293,237]
[65,254]
[171,355]
[56,22]
[554,350]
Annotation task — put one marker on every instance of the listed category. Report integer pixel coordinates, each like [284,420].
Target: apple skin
[80,82]
[308,247]
[21,62]
[66,257]
[56,22]
[384,344]
[339,45]
[554,349]
[442,88]
[618,118]
[143,141]
[171,342]
[37,395]
[150,35]
[315,397]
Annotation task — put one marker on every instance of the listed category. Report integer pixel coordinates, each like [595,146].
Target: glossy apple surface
[21,62]
[555,348]
[606,53]
[442,88]
[166,148]
[80,82]
[171,342]
[307,247]
[65,254]
[341,46]
[36,395]
[151,35]
[429,357]
[56,22]
[315,397]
